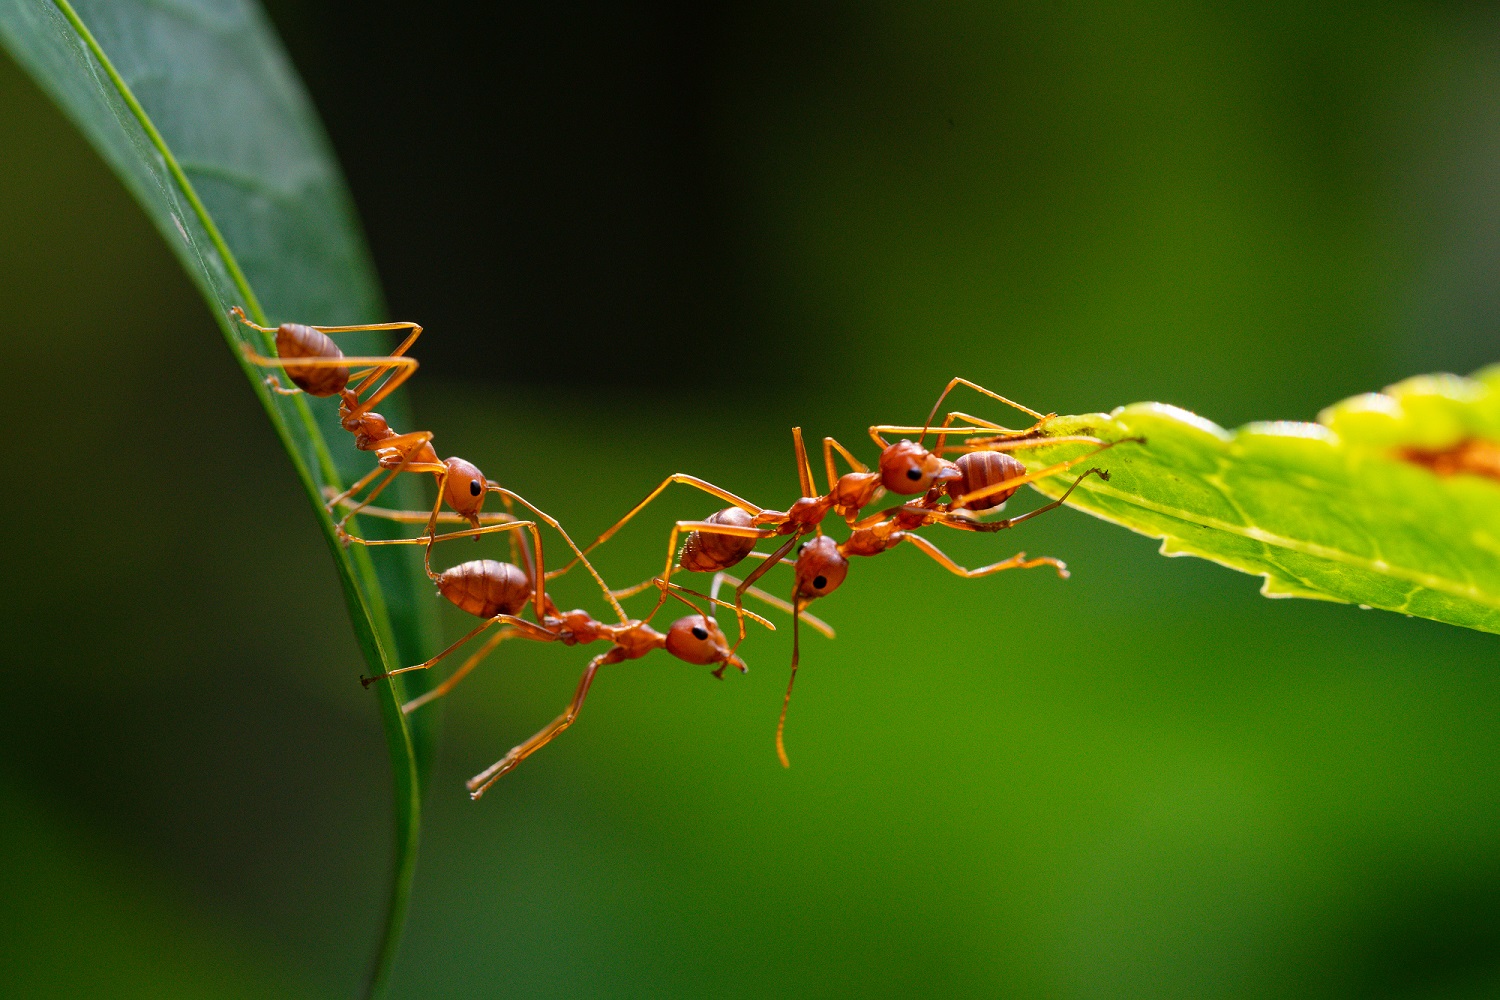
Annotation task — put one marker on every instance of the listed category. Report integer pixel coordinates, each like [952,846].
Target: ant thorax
[636,640]
[574,627]
[855,491]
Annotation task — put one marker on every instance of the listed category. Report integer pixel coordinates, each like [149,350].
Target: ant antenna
[927,426]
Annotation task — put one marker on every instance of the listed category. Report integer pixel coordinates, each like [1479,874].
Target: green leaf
[196,108]
[1339,510]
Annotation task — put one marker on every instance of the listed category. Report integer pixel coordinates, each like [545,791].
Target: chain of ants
[956,494]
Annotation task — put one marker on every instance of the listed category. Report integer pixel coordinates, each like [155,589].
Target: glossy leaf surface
[195,107]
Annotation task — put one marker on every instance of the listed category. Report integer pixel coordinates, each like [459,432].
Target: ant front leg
[481,782]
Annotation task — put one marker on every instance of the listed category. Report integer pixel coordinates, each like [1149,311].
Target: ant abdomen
[486,587]
[707,552]
[293,340]
[979,469]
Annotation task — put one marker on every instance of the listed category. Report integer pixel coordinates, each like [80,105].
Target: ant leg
[766,598]
[754,575]
[380,363]
[1005,433]
[406,465]
[342,498]
[804,467]
[401,375]
[462,672]
[676,477]
[1017,444]
[519,624]
[1017,561]
[419,516]
[955,383]
[786,702]
[829,446]
[1009,484]
[239,314]
[1011,522]
[481,782]
[469,664]
[397,442]
[453,679]
[578,555]
[712,598]
[708,527]
[413,516]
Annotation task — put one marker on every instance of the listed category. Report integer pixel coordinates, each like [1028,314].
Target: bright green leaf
[197,110]
[1335,511]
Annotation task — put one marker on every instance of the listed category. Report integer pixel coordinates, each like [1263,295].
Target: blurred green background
[689,232]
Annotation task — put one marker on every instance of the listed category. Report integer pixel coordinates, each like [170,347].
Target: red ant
[822,563]
[497,591]
[980,480]
[316,365]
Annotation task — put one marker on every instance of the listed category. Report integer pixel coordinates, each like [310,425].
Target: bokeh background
[652,239]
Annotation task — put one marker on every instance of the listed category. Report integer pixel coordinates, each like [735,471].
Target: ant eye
[699,632]
[913,474]
[820,582]
[801,547]
[474,488]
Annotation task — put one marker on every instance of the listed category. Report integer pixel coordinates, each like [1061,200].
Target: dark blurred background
[652,239]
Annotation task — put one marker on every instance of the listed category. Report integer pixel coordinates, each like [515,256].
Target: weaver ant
[315,364]
[497,592]
[822,563]
[981,480]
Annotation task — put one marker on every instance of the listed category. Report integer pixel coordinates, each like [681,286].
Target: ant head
[464,488]
[698,639]
[820,568]
[908,468]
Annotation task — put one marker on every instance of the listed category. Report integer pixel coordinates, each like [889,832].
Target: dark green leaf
[196,108]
